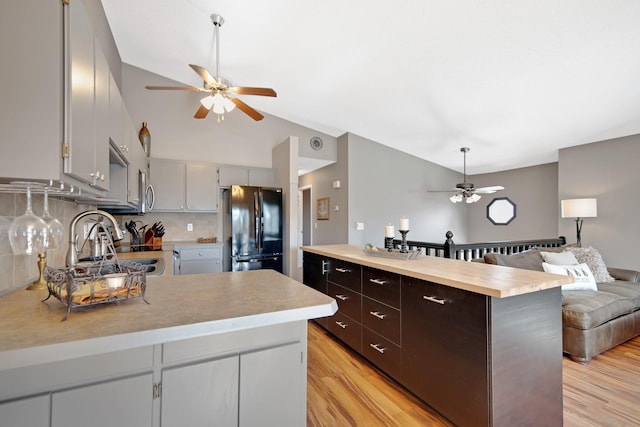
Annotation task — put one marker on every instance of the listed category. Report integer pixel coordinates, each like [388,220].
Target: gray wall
[379,185]
[534,192]
[608,171]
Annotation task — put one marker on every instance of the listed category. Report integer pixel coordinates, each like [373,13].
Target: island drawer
[382,286]
[347,330]
[349,302]
[345,274]
[382,353]
[381,318]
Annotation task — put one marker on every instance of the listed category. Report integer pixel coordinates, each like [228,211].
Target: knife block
[151,242]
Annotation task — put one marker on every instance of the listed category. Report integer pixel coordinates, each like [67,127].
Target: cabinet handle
[342,297]
[341,324]
[377,314]
[325,267]
[343,270]
[378,281]
[434,299]
[378,348]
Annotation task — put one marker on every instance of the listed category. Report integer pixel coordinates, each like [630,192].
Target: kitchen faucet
[72,252]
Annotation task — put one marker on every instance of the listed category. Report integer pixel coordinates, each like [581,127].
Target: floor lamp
[578,209]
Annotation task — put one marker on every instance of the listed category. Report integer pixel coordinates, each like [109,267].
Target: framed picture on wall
[322,211]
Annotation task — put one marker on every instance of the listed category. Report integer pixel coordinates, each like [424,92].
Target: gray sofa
[592,321]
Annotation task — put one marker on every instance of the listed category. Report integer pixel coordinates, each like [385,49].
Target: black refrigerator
[252,228]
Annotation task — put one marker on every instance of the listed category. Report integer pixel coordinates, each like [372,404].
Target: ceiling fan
[220,98]
[465,190]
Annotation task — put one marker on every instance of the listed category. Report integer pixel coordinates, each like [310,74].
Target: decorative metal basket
[96,283]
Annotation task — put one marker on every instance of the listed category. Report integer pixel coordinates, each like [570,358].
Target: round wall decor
[316,143]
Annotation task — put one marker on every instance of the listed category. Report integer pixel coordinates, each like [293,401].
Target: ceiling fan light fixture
[473,198]
[456,198]
[218,108]
[228,104]
[207,102]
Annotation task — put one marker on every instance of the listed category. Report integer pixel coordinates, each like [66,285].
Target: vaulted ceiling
[513,80]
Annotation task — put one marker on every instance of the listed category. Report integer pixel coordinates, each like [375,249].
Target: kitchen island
[481,344]
[229,347]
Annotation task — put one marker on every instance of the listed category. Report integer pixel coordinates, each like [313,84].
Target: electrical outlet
[189,227]
[359,225]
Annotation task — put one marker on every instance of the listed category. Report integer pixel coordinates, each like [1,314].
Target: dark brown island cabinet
[478,360]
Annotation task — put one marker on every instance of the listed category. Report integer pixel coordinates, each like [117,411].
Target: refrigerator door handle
[261,218]
[256,219]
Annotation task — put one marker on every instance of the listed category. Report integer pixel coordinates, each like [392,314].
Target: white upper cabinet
[201,188]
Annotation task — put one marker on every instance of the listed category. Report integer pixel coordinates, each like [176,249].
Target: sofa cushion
[559,258]
[529,260]
[627,290]
[594,260]
[588,309]
[582,276]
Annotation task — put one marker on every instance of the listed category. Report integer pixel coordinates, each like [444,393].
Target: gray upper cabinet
[31,124]
[184,186]
[88,75]
[239,175]
[55,92]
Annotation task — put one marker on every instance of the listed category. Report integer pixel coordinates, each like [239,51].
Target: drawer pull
[434,299]
[341,324]
[325,267]
[343,270]
[378,281]
[342,297]
[378,348]
[377,314]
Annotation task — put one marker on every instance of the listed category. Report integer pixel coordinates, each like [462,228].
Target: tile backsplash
[175,225]
[17,271]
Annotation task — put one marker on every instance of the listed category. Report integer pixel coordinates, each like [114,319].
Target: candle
[404,224]
[389,231]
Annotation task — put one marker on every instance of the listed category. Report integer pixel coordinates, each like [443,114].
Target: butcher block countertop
[181,307]
[491,280]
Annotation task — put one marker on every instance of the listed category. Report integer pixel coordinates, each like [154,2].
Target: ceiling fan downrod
[217,23]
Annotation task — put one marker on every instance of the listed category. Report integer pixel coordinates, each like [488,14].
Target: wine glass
[4,227]
[55,228]
[28,233]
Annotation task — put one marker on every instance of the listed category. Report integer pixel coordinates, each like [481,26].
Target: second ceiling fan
[220,98]
[467,191]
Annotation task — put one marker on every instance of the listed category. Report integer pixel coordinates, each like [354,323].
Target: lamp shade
[579,208]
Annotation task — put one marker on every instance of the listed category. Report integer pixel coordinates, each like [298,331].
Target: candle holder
[40,283]
[388,243]
[404,248]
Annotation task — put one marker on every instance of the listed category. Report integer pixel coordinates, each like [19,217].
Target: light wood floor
[345,390]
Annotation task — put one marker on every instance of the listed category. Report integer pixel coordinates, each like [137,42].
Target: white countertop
[181,307]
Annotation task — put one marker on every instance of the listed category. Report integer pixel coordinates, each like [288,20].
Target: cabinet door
[81,115]
[101,105]
[167,177]
[32,412]
[115,112]
[444,356]
[232,175]
[202,190]
[262,177]
[273,387]
[124,403]
[314,275]
[31,87]
[202,394]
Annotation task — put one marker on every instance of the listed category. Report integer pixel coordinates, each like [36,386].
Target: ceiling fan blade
[206,75]
[247,110]
[487,190]
[261,91]
[201,113]
[189,88]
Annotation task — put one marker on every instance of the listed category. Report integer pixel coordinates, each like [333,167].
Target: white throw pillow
[559,258]
[581,273]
